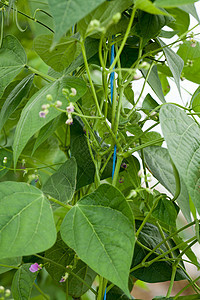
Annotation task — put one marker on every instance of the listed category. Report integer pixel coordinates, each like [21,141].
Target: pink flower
[35,267]
[63,279]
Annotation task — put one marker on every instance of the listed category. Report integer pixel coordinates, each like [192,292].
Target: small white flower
[70,108]
[140,173]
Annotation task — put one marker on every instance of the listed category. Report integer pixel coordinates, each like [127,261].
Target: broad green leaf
[149,103]
[168,34]
[181,21]
[173,3]
[5,152]
[159,164]
[175,63]
[61,185]
[181,134]
[195,101]
[22,283]
[79,149]
[149,25]
[48,130]
[67,13]
[190,9]
[148,6]
[14,99]
[104,14]
[129,94]
[128,178]
[155,83]
[61,56]
[166,212]
[26,223]
[105,235]
[150,136]
[12,60]
[165,83]
[64,256]
[30,121]
[189,51]
[159,271]
[11,261]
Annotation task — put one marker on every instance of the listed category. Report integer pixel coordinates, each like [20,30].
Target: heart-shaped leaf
[26,220]
[12,60]
[100,229]
[182,136]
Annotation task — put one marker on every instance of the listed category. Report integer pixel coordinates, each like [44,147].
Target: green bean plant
[80,142]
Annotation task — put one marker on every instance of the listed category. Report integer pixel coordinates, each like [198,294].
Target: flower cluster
[44,110]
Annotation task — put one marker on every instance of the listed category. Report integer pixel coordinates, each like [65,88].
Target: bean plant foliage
[80,142]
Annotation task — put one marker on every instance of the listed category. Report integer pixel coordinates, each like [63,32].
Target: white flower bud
[5,160]
[116,18]
[73,92]
[7,293]
[58,104]
[49,97]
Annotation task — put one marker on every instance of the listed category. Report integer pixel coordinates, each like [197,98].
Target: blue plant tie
[112,78]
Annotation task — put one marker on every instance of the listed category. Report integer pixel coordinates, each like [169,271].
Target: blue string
[112,77]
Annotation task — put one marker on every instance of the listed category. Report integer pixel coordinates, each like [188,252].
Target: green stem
[67,290]
[174,268]
[177,180]
[88,127]
[163,237]
[29,17]
[147,216]
[185,288]
[117,168]
[167,238]
[8,266]
[100,290]
[87,117]
[143,165]
[89,77]
[67,206]
[165,253]
[124,39]
[43,75]
[139,136]
[40,291]
[154,142]
[142,90]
